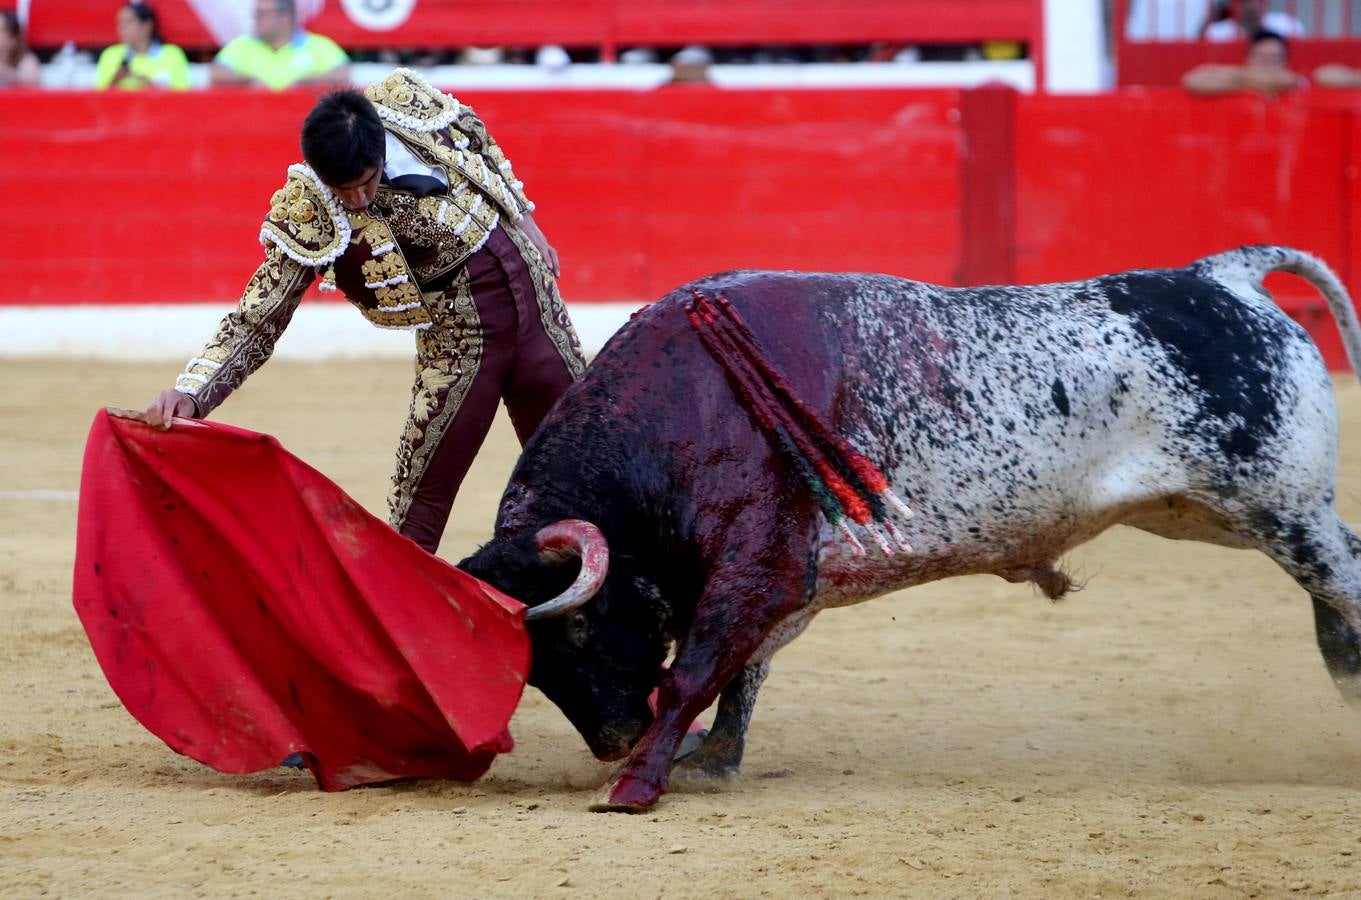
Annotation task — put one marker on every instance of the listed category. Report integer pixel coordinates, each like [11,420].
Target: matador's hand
[535,235]
[168,404]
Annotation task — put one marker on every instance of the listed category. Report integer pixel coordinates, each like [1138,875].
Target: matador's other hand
[550,256]
[535,235]
[168,404]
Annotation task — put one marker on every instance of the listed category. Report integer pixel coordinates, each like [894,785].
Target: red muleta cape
[244,608]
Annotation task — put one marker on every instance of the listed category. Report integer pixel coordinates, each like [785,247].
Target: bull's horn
[572,537]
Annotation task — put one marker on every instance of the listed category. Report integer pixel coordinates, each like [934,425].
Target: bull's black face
[598,664]
[599,670]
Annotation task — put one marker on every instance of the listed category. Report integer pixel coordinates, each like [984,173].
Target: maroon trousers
[505,337]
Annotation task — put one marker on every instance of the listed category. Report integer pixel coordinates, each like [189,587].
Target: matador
[409,208]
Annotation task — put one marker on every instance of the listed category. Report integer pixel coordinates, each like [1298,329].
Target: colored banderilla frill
[843,482]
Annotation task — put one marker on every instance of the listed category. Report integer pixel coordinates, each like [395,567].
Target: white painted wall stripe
[175,332]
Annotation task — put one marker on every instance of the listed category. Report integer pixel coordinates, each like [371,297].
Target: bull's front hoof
[627,795]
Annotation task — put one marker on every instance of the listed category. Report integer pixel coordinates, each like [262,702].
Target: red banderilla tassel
[869,475]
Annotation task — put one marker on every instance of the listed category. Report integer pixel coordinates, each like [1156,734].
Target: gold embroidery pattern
[399,306]
[467,221]
[552,311]
[481,141]
[367,230]
[246,336]
[396,303]
[403,94]
[459,155]
[398,295]
[448,356]
[298,219]
[384,268]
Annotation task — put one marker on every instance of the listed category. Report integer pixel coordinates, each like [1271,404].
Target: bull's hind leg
[720,756]
[1341,646]
[1324,557]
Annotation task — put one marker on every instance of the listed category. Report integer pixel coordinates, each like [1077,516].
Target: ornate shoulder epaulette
[305,220]
[407,100]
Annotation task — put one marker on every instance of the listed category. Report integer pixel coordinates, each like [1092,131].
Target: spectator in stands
[995,50]
[280,54]
[552,58]
[1266,71]
[1234,20]
[691,64]
[481,56]
[19,65]
[142,60]
[638,56]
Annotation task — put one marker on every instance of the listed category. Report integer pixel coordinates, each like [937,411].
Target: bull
[1018,422]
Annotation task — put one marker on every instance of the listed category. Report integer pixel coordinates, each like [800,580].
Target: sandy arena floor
[1169,731]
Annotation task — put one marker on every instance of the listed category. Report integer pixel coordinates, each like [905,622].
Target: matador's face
[356,195]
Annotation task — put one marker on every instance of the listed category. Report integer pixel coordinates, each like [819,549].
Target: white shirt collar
[401,161]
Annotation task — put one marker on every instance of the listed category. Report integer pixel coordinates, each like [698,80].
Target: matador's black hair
[342,137]
[144,14]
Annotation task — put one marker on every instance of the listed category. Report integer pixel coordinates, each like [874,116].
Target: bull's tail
[1253,263]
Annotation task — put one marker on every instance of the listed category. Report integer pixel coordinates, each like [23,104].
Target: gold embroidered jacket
[382,259]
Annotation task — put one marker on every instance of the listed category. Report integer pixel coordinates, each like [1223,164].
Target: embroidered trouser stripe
[492,344]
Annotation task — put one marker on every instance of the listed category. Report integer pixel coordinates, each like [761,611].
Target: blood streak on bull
[1018,422]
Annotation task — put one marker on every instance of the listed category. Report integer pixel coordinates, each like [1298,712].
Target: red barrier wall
[137,198]
[639,191]
[1145,179]
[1115,182]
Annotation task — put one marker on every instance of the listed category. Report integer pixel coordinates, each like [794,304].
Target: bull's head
[598,637]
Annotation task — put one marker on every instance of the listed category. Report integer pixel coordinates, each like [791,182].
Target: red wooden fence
[130,197]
